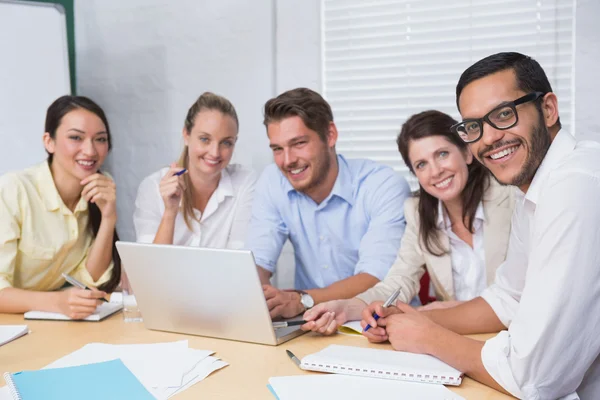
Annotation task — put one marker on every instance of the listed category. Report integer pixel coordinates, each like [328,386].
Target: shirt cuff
[268,265]
[87,279]
[378,271]
[495,357]
[500,305]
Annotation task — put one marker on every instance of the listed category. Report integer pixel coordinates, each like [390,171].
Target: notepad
[9,333]
[351,328]
[304,387]
[386,364]
[99,381]
[102,311]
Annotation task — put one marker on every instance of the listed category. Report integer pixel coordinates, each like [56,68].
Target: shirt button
[325,266]
[322,237]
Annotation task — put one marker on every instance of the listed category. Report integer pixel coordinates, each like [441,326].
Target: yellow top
[40,238]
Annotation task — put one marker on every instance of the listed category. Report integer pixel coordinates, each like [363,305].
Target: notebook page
[394,364]
[102,311]
[355,387]
[11,332]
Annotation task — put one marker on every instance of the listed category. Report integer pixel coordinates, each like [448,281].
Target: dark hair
[435,123]
[206,101]
[57,110]
[307,104]
[529,74]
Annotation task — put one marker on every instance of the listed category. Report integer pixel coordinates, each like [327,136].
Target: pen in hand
[387,303]
[78,284]
[180,172]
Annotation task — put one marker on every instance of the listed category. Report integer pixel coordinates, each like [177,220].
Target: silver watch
[306,300]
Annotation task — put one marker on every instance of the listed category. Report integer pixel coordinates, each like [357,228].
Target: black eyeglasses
[502,117]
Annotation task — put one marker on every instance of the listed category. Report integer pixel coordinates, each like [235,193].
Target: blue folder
[105,380]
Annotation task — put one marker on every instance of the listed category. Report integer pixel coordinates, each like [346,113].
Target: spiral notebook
[110,379]
[387,364]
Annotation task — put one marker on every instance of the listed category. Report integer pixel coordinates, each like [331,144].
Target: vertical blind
[386,60]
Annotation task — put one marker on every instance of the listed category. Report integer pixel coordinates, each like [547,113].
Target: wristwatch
[306,300]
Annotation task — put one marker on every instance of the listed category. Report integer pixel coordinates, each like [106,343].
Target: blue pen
[387,303]
[180,172]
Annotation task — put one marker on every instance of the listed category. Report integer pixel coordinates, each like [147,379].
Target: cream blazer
[413,259]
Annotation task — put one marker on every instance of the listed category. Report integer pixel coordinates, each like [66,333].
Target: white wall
[147,61]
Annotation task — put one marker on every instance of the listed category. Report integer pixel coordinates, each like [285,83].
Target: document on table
[163,368]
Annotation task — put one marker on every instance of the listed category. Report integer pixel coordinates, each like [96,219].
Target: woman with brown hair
[457,225]
[59,217]
[202,200]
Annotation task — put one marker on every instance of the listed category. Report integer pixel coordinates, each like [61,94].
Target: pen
[293,357]
[180,172]
[387,303]
[78,284]
[285,324]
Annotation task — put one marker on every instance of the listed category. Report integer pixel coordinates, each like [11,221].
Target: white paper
[9,333]
[163,368]
[5,393]
[333,386]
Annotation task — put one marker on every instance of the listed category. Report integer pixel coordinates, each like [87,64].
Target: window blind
[386,60]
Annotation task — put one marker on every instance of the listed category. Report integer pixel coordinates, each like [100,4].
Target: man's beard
[540,143]
[321,170]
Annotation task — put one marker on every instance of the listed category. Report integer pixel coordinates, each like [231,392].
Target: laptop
[201,291]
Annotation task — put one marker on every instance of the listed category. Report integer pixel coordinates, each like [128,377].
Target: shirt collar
[561,146]
[342,188]
[49,192]
[443,221]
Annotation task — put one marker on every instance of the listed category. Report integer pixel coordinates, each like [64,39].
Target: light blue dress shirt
[356,229]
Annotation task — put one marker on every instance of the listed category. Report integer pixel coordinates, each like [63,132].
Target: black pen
[294,358]
[78,284]
[285,324]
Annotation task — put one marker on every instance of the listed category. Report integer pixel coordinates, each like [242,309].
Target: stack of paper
[164,369]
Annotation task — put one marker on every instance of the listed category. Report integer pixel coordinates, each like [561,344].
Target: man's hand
[281,303]
[410,330]
[376,334]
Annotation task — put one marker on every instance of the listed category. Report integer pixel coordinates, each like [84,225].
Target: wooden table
[246,377]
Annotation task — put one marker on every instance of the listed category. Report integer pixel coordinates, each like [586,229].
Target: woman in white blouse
[457,227]
[202,200]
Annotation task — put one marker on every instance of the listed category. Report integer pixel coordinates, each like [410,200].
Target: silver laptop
[201,291]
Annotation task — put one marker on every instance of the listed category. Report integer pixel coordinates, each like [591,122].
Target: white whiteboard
[34,71]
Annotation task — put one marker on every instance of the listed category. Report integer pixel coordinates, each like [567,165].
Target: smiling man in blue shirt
[345,218]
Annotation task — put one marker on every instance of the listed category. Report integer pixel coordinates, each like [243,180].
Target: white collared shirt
[547,292]
[468,263]
[225,219]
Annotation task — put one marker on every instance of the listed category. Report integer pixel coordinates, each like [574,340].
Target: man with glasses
[545,298]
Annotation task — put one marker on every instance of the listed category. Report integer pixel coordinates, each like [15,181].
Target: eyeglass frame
[486,118]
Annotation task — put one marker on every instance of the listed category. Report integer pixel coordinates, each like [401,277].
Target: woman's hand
[171,188]
[102,191]
[78,303]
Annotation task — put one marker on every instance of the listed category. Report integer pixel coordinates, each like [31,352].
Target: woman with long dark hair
[59,217]
[457,225]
